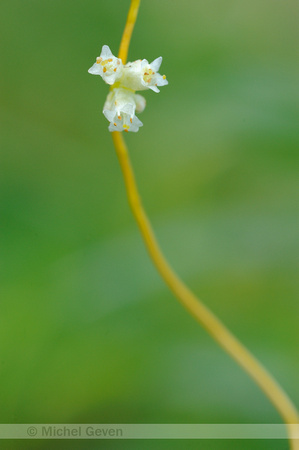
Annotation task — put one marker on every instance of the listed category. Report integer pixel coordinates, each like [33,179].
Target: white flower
[120,107]
[140,103]
[140,75]
[107,66]
[122,102]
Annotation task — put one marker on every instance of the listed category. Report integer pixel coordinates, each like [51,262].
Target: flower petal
[140,103]
[154,88]
[109,115]
[96,69]
[106,52]
[155,65]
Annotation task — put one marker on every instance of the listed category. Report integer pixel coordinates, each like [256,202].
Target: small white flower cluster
[122,102]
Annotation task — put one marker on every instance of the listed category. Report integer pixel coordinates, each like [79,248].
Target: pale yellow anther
[104,62]
[164,77]
[99,59]
[110,59]
[147,76]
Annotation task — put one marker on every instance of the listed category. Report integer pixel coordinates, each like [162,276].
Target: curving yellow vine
[202,314]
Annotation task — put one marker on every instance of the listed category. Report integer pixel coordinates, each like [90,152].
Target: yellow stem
[129,27]
[202,314]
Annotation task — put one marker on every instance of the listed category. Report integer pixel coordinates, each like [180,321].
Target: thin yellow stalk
[202,314]
[129,27]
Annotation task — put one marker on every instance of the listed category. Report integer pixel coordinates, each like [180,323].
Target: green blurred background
[89,332]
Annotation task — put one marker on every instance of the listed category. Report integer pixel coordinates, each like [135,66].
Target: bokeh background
[89,332]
